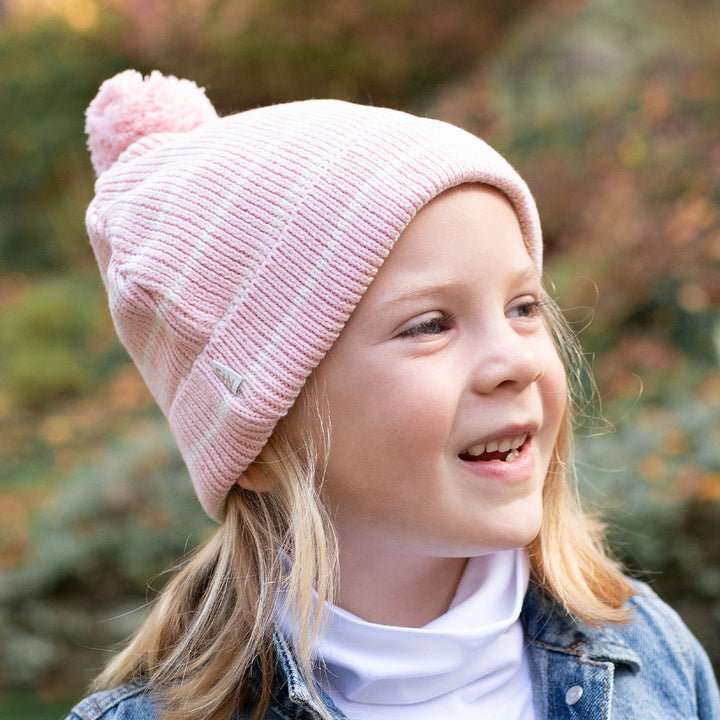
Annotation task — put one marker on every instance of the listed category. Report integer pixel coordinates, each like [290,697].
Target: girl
[339,309]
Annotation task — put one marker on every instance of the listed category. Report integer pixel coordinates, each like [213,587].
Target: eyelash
[432,326]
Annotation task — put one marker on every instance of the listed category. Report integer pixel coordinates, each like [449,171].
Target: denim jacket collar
[292,693]
[547,627]
[546,623]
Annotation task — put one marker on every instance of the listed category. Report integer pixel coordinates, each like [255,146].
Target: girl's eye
[433,325]
[527,309]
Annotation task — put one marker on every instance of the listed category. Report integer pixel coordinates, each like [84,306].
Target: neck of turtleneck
[465,663]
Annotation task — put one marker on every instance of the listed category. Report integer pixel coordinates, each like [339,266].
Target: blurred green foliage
[115,523]
[49,72]
[609,108]
[18,705]
[656,477]
[135,509]
[52,334]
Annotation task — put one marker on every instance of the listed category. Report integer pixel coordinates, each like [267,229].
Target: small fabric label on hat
[228,377]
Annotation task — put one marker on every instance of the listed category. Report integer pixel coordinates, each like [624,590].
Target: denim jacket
[650,668]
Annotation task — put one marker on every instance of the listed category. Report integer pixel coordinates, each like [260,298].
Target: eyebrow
[420,292]
[424,291]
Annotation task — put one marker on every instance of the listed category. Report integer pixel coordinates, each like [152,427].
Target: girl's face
[445,366]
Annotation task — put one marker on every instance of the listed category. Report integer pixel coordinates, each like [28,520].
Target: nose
[506,358]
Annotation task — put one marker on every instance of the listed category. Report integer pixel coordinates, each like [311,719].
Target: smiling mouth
[506,449]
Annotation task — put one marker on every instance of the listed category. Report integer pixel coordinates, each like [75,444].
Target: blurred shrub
[55,340]
[117,522]
[657,481]
[49,74]
[253,53]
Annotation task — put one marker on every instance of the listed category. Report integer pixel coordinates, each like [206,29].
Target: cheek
[406,404]
[383,418]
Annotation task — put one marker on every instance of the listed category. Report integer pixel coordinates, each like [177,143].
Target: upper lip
[508,432]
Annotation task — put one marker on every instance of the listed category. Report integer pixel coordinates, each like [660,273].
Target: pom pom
[129,107]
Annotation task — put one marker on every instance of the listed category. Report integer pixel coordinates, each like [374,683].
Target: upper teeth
[500,445]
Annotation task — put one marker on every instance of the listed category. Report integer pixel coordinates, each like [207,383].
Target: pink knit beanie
[234,249]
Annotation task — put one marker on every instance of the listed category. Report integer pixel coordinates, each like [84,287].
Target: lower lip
[519,470]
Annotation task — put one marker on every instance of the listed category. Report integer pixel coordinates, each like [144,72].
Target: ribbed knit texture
[249,240]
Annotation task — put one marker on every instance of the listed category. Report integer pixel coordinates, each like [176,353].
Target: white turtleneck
[468,663]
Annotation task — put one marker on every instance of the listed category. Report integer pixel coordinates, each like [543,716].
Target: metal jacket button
[573,694]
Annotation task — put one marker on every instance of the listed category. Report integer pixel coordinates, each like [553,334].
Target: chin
[519,537]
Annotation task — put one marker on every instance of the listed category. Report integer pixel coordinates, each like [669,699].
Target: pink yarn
[128,107]
[234,253]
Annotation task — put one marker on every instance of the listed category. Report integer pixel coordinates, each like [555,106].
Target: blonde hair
[569,558]
[206,648]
